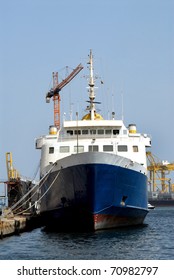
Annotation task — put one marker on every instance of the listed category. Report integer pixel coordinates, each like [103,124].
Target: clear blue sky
[133,47]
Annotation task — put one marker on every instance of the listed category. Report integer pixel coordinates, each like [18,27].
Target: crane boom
[69,78]
[54,92]
[60,85]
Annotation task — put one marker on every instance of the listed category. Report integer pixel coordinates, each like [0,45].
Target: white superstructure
[108,136]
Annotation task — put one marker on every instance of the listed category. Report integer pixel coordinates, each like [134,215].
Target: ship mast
[91,87]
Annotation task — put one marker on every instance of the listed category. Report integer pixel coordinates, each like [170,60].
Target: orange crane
[54,92]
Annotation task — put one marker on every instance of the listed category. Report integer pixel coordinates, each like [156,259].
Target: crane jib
[54,92]
[68,79]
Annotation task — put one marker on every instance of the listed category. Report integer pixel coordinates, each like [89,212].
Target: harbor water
[152,241]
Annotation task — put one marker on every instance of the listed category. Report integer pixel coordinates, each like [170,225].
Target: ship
[93,171]
[160,199]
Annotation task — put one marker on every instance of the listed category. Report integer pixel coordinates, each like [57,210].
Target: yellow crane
[12,173]
[14,186]
[157,174]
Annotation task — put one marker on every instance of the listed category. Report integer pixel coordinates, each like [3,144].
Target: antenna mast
[122,106]
[91,86]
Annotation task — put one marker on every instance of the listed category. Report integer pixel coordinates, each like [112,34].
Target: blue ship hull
[95,196]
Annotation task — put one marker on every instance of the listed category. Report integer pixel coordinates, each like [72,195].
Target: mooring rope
[41,196]
[27,194]
[10,210]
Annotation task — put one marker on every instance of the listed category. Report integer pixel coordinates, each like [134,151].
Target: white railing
[87,137]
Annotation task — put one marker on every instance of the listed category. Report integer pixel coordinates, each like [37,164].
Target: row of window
[93,131]
[93,148]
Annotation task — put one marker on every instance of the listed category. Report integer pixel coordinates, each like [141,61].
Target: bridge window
[64,149]
[122,148]
[78,149]
[93,148]
[51,150]
[84,131]
[108,148]
[70,132]
[115,131]
[93,131]
[108,131]
[77,132]
[100,131]
[135,149]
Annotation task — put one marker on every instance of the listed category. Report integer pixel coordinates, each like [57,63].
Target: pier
[16,224]
[13,225]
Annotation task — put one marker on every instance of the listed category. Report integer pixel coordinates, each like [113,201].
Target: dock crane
[158,170]
[54,92]
[13,184]
[12,173]
[17,186]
